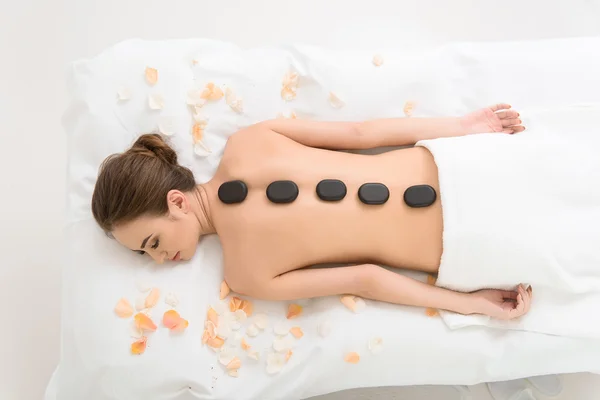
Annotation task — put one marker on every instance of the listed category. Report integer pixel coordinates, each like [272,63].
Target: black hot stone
[233,192]
[373,193]
[420,196]
[331,190]
[282,192]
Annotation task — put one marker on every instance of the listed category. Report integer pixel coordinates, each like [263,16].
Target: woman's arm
[376,283]
[393,131]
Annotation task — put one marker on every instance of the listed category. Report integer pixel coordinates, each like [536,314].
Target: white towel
[523,209]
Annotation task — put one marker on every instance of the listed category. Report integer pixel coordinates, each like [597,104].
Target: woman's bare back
[262,240]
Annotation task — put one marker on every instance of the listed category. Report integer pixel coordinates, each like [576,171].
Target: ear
[177,202]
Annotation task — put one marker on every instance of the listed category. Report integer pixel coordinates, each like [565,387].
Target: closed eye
[140,252]
[155,245]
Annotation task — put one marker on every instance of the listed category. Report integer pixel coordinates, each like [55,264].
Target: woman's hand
[497,118]
[503,304]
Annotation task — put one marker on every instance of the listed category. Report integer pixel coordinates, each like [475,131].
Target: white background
[38,38]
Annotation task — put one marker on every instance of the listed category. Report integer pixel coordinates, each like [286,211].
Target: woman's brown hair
[136,182]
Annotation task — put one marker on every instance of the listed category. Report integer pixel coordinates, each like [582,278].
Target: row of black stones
[281,192]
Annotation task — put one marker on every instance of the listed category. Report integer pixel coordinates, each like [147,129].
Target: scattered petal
[211,92]
[215,343]
[235,303]
[233,373]
[335,101]
[194,98]
[173,321]
[134,331]
[294,310]
[288,355]
[197,132]
[377,60]
[124,93]
[224,290]
[376,345]
[296,331]
[240,315]
[147,312]
[245,345]
[166,126]
[144,323]
[139,346]
[211,329]
[281,329]
[409,106]
[360,304]
[253,355]
[275,363]
[200,119]
[220,307]
[352,358]
[293,115]
[247,307]
[431,312]
[238,336]
[200,149]
[123,308]
[212,316]
[233,101]
[224,327]
[289,86]
[431,280]
[226,355]
[324,328]
[290,79]
[283,344]
[143,286]
[156,101]
[234,364]
[252,330]
[288,94]
[152,298]
[206,336]
[151,75]
[194,62]
[171,300]
[349,302]
[261,320]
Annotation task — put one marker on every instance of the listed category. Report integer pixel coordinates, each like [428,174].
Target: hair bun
[155,144]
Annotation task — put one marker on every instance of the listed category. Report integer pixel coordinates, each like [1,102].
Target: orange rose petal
[211,329]
[144,323]
[152,298]
[234,304]
[349,302]
[212,316]
[171,319]
[431,312]
[408,108]
[139,346]
[151,75]
[234,364]
[352,358]
[224,291]
[216,94]
[431,280]
[247,307]
[296,331]
[205,336]
[216,342]
[181,325]
[245,345]
[294,310]
[288,355]
[197,132]
[123,308]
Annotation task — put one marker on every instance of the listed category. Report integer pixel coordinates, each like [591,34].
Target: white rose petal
[324,328]
[143,286]
[135,332]
[233,373]
[283,344]
[254,355]
[375,345]
[335,101]
[140,303]
[238,336]
[275,363]
[378,60]
[124,93]
[194,98]
[171,300]
[201,149]
[226,354]
[252,330]
[156,101]
[281,329]
[261,321]
[220,308]
[223,328]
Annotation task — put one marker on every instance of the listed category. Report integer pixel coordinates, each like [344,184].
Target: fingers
[507,114]
[509,294]
[510,122]
[500,106]
[513,129]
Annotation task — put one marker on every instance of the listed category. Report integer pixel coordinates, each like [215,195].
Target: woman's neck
[202,210]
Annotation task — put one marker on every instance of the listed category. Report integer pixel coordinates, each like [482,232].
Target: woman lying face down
[283,199]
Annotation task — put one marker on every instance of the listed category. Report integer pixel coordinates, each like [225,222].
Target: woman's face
[172,237]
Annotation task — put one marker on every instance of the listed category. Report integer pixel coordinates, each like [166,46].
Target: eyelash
[154,246]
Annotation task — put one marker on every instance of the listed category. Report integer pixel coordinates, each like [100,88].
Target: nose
[158,257]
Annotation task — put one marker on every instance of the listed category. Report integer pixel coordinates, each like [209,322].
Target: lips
[177,257]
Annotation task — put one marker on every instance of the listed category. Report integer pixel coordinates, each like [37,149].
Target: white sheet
[95,362]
